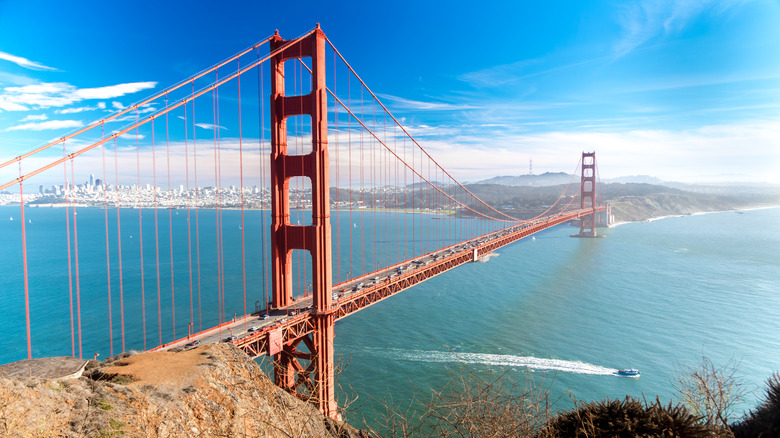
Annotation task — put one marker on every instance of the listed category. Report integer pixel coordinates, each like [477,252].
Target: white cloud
[75,110]
[112,91]
[644,20]
[208,126]
[745,151]
[44,95]
[738,152]
[51,124]
[24,62]
[61,94]
[408,104]
[500,75]
[11,106]
[32,118]
[117,105]
[13,79]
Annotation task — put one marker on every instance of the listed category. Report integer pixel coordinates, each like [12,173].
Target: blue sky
[681,90]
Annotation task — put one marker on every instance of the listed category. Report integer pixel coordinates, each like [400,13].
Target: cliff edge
[209,391]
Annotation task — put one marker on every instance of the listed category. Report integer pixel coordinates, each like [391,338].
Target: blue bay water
[177,268]
[654,296]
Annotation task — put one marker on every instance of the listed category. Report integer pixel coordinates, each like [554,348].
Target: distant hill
[630,201]
[639,179]
[545,179]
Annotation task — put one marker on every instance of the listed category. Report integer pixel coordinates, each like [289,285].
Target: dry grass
[212,391]
[469,405]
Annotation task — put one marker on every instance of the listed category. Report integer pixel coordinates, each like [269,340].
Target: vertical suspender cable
[24,265]
[197,209]
[119,247]
[372,177]
[349,142]
[108,255]
[70,268]
[241,185]
[261,122]
[216,197]
[362,194]
[76,256]
[140,230]
[156,238]
[406,206]
[219,213]
[189,226]
[338,198]
[217,183]
[170,219]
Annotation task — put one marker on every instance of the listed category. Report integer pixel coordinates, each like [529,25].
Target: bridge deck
[280,326]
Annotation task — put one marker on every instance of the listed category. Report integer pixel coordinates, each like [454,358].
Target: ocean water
[178,271]
[655,296]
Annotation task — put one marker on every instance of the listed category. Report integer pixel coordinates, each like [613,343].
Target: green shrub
[628,417]
[765,420]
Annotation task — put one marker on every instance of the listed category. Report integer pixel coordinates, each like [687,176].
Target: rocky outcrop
[209,391]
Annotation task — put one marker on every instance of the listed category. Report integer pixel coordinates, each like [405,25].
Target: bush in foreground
[628,417]
[765,420]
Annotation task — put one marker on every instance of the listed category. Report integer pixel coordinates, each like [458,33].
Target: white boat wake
[529,362]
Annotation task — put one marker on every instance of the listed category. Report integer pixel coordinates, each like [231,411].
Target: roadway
[251,333]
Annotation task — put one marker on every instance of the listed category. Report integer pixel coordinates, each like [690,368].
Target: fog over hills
[632,198]
[563,178]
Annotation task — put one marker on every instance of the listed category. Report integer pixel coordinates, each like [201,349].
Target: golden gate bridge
[215,147]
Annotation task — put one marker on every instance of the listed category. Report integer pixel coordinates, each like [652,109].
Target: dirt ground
[161,367]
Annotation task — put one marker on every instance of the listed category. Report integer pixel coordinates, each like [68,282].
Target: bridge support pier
[313,381]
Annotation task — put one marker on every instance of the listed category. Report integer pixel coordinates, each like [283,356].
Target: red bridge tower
[588,196]
[315,381]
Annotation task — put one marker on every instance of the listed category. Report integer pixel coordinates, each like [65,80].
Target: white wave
[530,362]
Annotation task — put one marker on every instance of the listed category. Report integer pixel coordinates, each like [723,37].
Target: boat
[629,372]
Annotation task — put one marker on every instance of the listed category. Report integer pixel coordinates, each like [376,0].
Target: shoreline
[184,208]
[698,213]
